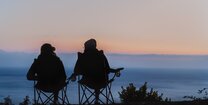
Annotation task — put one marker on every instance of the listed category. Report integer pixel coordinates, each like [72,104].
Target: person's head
[90,44]
[47,49]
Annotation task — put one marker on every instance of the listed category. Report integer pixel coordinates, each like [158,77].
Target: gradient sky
[120,26]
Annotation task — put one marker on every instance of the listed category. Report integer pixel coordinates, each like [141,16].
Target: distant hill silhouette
[21,59]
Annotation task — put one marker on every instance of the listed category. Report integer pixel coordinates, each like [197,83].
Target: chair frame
[105,92]
[38,100]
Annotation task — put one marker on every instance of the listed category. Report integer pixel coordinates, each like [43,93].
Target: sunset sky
[119,26]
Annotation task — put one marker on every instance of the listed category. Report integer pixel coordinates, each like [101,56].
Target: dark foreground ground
[166,103]
[155,103]
[169,103]
[160,103]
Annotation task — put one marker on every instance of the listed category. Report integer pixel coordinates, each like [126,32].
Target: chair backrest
[93,67]
[50,74]
[48,70]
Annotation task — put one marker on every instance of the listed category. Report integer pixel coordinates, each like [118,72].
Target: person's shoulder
[101,51]
[56,57]
[39,58]
[79,53]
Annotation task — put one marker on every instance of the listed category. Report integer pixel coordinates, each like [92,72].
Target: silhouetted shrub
[203,95]
[26,101]
[8,100]
[131,95]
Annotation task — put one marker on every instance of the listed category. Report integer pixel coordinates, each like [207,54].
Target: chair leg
[110,93]
[84,88]
[64,98]
[48,98]
[106,92]
[84,98]
[35,101]
[79,93]
[86,95]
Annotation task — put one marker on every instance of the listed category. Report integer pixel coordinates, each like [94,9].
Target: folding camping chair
[42,97]
[87,95]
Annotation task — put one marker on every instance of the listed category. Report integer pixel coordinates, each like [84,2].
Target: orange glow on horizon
[129,27]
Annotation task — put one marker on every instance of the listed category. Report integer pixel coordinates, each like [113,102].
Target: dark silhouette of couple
[48,70]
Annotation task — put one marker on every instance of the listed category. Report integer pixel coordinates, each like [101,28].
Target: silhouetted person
[93,66]
[48,70]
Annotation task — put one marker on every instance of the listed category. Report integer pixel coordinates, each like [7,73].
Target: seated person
[48,70]
[93,66]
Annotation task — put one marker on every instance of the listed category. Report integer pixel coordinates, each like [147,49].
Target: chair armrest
[115,70]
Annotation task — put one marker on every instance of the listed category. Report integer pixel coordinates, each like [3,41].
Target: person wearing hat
[48,71]
[93,66]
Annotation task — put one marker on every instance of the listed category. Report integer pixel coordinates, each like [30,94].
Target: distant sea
[173,83]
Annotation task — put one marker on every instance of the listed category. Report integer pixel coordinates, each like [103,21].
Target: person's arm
[63,73]
[32,71]
[77,68]
[75,73]
[106,64]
